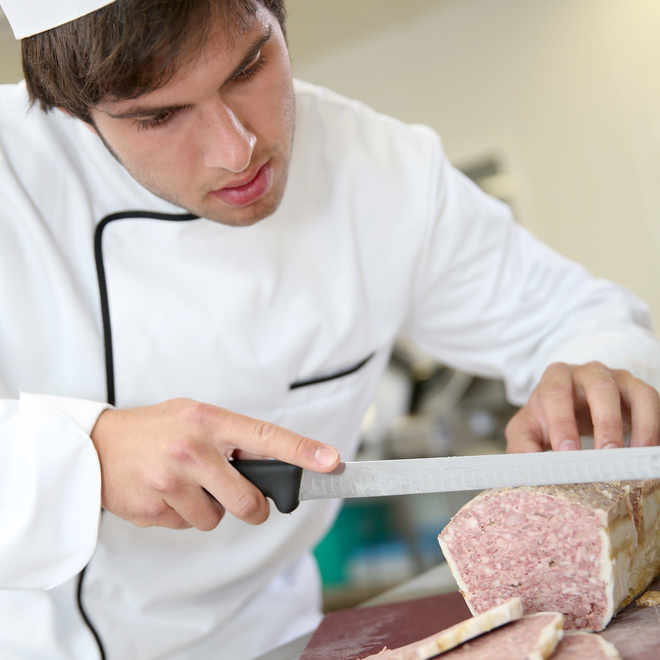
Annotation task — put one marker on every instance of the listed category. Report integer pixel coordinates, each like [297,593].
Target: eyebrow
[154,111]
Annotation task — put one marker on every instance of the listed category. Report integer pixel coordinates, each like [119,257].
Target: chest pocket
[334,375]
[330,405]
[350,381]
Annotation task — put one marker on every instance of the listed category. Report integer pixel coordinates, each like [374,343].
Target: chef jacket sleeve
[491,299]
[50,489]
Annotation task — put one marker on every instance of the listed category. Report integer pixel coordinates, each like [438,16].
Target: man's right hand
[169,464]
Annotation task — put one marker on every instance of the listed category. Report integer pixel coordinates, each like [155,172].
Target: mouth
[247,190]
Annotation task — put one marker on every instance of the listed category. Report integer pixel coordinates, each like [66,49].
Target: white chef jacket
[108,293]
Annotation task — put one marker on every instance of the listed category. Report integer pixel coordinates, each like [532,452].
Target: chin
[245,216]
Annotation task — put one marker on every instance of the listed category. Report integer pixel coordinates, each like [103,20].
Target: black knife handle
[275,479]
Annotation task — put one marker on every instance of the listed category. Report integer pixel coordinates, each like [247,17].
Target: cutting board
[356,633]
[635,631]
[362,631]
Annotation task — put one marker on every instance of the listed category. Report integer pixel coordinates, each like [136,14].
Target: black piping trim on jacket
[103,288]
[332,376]
[109,362]
[84,616]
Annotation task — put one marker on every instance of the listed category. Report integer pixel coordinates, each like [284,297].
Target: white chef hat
[28,17]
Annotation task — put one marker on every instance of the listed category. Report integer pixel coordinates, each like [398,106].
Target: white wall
[564,92]
[10,67]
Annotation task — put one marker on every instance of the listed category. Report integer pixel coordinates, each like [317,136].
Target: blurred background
[551,105]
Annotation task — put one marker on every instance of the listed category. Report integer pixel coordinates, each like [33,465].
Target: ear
[87,124]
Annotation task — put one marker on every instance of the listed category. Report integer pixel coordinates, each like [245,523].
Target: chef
[203,259]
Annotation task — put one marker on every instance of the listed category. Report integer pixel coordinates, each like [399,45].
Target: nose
[227,143]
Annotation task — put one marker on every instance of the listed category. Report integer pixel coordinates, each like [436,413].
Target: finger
[238,496]
[557,404]
[222,487]
[601,391]
[265,439]
[523,433]
[197,508]
[644,404]
[159,514]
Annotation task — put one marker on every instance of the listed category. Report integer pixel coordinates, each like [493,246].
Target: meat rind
[585,646]
[533,637]
[452,637]
[649,599]
[585,550]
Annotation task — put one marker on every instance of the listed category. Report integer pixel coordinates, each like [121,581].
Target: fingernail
[568,445]
[326,455]
[610,445]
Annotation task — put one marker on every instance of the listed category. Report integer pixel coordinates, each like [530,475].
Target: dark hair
[125,49]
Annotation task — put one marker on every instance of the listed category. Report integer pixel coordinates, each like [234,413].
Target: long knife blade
[455,473]
[287,484]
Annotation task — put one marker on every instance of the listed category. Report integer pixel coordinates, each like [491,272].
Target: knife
[288,484]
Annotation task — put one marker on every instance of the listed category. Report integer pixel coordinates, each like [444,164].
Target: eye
[155,121]
[253,68]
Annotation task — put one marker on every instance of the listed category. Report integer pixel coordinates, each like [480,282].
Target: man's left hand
[585,400]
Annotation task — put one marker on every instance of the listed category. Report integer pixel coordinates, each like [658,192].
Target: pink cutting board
[359,632]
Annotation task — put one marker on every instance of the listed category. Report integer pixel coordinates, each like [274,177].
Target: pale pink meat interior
[543,549]
[519,639]
[582,646]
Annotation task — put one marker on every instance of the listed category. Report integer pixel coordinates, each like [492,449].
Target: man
[209,261]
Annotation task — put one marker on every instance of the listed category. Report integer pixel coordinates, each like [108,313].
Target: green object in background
[359,525]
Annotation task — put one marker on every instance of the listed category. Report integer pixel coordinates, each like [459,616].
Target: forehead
[150,61]
[203,68]
[220,38]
